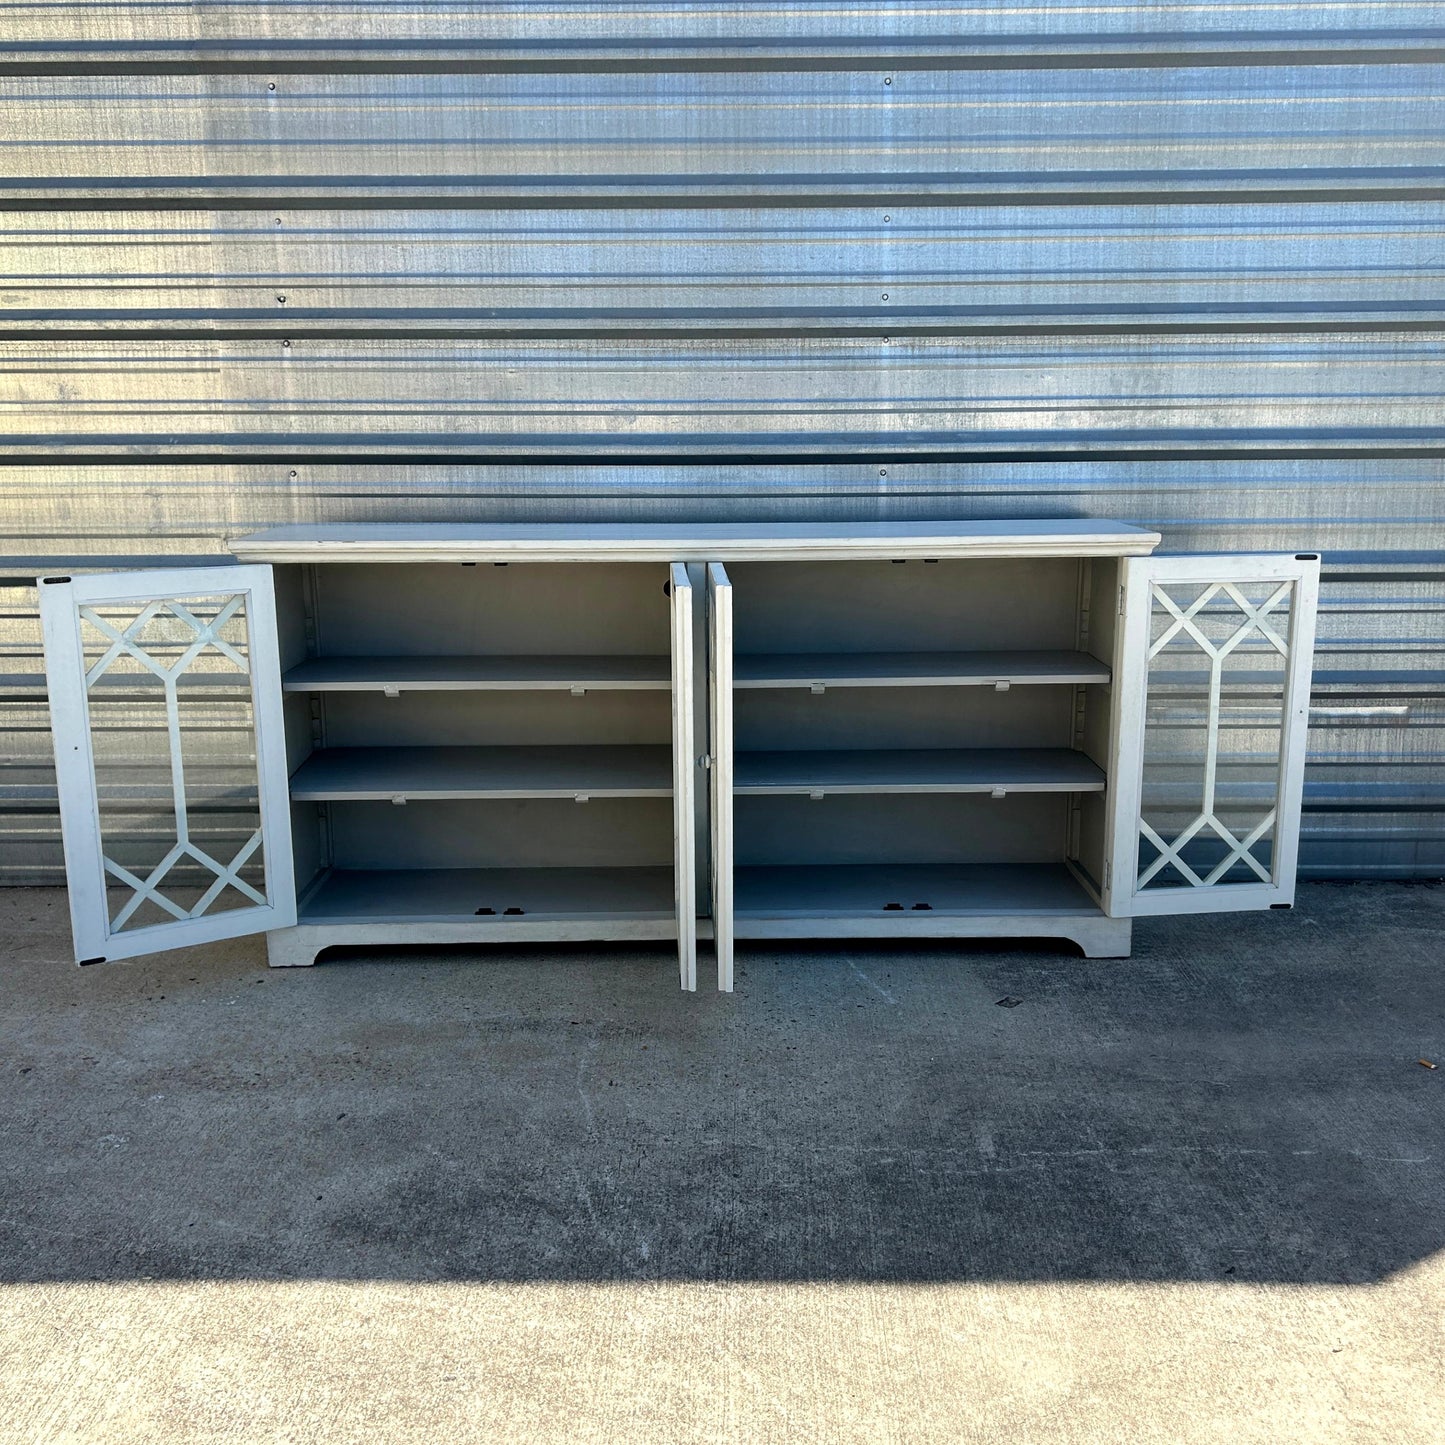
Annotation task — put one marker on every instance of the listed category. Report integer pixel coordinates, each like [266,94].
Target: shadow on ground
[1240,1101]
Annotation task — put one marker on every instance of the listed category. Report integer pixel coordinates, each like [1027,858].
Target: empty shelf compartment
[869,890]
[503,894]
[918,770]
[460,674]
[916,669]
[335,774]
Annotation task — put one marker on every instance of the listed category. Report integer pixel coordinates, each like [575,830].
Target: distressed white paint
[64,602]
[684,773]
[697,542]
[720,750]
[1144,580]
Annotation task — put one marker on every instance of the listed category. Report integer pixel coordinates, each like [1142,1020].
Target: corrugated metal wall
[1179,265]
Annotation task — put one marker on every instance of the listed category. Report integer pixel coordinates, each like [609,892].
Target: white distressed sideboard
[387,734]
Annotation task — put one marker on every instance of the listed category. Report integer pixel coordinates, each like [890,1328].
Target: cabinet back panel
[503,833]
[1023,828]
[447,610]
[909,606]
[518,719]
[899,717]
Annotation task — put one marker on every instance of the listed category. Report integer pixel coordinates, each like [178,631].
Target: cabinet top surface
[692,541]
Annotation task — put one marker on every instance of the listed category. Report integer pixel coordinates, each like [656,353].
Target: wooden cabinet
[383,735]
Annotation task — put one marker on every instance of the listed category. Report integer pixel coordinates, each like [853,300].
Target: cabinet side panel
[1103,600]
[290,616]
[1091,825]
[1096,733]
[296,709]
[1092,840]
[307,843]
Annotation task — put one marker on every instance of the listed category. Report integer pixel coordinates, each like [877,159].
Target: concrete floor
[1196,1196]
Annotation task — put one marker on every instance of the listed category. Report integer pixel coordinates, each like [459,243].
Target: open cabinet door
[720,751]
[165,699]
[684,771]
[1213,680]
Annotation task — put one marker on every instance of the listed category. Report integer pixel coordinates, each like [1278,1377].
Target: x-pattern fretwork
[126,642]
[1239,850]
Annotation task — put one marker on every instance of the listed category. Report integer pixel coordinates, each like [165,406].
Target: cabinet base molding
[298,947]
[1096,936]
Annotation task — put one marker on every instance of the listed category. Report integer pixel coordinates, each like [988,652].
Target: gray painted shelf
[920,770]
[335,774]
[438,674]
[915,669]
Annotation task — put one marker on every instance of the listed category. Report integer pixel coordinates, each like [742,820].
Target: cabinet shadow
[1240,1101]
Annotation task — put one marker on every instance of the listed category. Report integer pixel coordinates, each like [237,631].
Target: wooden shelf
[454,894]
[464,674]
[915,669]
[358,774]
[867,890]
[922,770]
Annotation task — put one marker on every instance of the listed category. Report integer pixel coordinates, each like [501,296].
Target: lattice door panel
[1218,657]
[1219,703]
[166,695]
[172,725]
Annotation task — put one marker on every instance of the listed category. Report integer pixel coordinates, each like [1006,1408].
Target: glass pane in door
[172,720]
[1215,715]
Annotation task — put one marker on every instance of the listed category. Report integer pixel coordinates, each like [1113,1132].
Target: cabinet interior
[523,713]
[909,736]
[921,736]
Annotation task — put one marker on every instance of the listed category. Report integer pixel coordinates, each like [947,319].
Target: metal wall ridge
[1388,47]
[699,28]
